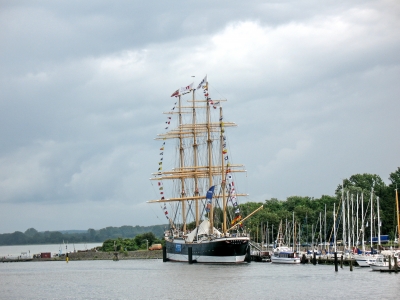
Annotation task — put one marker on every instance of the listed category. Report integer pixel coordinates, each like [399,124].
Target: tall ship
[197,182]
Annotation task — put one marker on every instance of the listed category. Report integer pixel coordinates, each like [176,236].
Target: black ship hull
[221,250]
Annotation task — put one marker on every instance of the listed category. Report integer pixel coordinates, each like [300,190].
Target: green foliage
[307,210]
[31,232]
[32,236]
[132,244]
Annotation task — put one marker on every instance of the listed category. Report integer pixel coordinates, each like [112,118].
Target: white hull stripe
[206,259]
[285,260]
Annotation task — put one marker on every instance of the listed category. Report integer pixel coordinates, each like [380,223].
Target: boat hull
[365,261]
[285,260]
[223,250]
[380,267]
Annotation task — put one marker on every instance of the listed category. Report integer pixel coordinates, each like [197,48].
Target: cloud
[313,87]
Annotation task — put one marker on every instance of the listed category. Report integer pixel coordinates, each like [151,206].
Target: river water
[153,279]
[15,251]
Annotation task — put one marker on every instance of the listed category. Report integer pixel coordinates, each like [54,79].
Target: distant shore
[93,255]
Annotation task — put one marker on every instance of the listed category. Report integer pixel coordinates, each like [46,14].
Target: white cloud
[314,94]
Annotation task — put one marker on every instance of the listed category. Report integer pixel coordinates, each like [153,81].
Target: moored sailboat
[204,196]
[282,253]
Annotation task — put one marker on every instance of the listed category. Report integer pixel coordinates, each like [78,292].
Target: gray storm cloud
[313,87]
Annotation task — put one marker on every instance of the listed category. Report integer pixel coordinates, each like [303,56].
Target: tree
[31,232]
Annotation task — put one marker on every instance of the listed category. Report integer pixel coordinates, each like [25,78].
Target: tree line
[31,236]
[307,210]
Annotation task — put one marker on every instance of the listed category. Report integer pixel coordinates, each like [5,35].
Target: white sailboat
[282,253]
[384,261]
[365,260]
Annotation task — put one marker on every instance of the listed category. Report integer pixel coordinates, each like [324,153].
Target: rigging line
[155,192]
[189,210]
[155,213]
[176,214]
[218,92]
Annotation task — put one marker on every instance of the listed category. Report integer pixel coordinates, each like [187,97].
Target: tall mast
[209,152]
[348,220]
[352,220]
[196,182]
[272,235]
[223,177]
[371,224]
[312,236]
[320,229]
[181,163]
[398,217]
[334,226]
[362,222]
[294,234]
[299,237]
[343,218]
[358,236]
[379,221]
[325,229]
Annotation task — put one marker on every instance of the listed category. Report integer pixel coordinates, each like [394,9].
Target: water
[15,251]
[153,279]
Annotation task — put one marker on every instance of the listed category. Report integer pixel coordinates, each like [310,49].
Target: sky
[312,85]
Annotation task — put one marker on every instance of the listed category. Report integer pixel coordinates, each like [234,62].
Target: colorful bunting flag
[186,89]
[175,94]
[204,81]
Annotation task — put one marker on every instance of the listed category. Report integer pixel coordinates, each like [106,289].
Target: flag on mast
[176,93]
[204,81]
[186,89]
[209,196]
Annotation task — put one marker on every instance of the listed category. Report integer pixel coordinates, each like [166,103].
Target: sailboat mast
[294,233]
[325,228]
[379,221]
[196,181]
[334,225]
[343,218]
[352,220]
[358,236]
[362,222]
[371,226]
[223,177]
[312,236]
[348,220]
[398,217]
[320,228]
[181,163]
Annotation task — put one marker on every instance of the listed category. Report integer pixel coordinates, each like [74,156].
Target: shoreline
[93,255]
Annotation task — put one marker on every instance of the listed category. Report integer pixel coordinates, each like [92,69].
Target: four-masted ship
[206,220]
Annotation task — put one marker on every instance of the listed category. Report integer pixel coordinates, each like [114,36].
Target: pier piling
[248,255]
[303,259]
[190,255]
[336,262]
[164,254]
[115,258]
